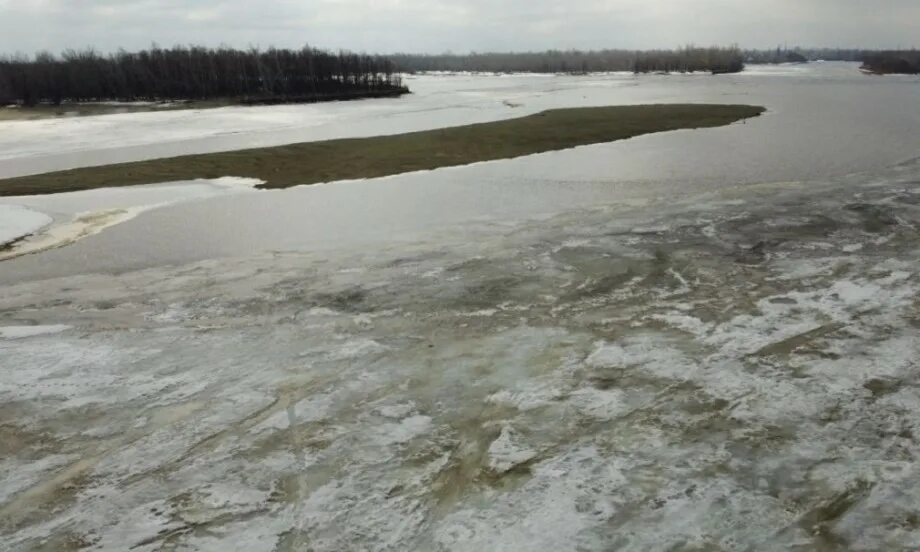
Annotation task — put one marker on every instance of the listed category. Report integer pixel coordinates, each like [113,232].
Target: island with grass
[361,158]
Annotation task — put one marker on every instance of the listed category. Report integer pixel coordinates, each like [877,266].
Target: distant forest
[714,60]
[904,62]
[801,55]
[874,61]
[196,73]
[683,60]
[308,75]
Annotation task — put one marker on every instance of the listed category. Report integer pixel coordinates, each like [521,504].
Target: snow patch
[507,451]
[357,348]
[403,431]
[22,332]
[17,222]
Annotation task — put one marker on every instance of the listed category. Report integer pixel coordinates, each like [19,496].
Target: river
[703,339]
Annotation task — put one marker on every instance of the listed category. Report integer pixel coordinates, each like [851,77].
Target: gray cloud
[440,25]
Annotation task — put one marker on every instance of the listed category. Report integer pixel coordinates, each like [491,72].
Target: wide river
[697,340]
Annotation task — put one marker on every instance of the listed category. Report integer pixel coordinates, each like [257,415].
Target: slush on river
[456,276]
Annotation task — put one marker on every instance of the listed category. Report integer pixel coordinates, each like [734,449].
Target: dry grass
[313,162]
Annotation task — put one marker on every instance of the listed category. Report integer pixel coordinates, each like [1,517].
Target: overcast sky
[456,25]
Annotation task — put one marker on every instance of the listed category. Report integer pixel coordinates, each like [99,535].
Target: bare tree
[188,73]
[719,60]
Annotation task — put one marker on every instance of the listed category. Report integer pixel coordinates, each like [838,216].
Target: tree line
[903,59]
[780,55]
[801,55]
[874,61]
[905,62]
[690,58]
[196,73]
[687,59]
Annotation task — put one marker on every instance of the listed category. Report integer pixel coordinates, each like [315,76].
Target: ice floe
[17,222]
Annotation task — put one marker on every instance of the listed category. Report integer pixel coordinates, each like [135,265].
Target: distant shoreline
[90,109]
[892,63]
[362,158]
[869,70]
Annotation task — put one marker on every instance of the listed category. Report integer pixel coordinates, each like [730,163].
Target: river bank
[94,109]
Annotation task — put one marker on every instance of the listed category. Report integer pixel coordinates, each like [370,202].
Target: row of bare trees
[690,58]
[687,59]
[905,62]
[879,61]
[780,55]
[800,55]
[184,73]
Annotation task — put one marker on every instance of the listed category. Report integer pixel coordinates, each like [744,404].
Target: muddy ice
[731,371]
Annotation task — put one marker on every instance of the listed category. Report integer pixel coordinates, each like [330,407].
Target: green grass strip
[355,158]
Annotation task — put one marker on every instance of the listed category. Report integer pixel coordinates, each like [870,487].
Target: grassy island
[356,158]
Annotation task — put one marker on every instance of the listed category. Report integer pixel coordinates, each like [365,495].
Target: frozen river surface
[702,340]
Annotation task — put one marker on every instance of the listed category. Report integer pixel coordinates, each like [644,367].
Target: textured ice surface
[740,378]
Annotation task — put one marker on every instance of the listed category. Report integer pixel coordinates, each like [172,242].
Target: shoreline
[46,111]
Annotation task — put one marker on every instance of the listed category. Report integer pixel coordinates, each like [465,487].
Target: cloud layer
[457,25]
